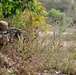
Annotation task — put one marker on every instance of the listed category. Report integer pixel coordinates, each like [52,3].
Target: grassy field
[45,54]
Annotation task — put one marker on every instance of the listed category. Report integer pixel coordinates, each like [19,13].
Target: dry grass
[39,54]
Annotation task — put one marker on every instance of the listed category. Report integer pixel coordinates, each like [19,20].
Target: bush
[11,7]
[56,15]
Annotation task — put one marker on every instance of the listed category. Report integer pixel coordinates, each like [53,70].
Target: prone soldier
[3,32]
[8,34]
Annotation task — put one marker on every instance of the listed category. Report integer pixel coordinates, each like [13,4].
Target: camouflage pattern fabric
[4,38]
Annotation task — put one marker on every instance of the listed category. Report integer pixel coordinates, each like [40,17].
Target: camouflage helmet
[3,26]
[3,29]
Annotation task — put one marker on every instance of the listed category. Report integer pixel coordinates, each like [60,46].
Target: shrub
[56,15]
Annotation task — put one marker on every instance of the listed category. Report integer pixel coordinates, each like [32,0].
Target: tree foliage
[34,17]
[26,14]
[56,15]
[13,7]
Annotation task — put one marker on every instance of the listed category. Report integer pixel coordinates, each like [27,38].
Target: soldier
[3,26]
[8,34]
[3,32]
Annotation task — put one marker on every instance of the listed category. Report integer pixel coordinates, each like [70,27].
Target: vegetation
[11,7]
[44,48]
[56,15]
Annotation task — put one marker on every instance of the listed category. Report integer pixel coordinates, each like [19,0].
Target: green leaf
[17,11]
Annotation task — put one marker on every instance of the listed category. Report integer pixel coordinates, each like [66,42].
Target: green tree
[13,7]
[56,15]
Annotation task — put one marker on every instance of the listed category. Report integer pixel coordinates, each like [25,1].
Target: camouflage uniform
[4,36]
